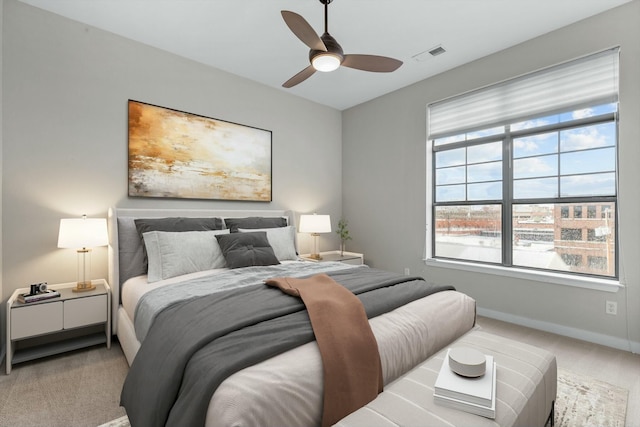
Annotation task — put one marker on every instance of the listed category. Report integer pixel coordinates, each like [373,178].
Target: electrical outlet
[611,307]
[407,272]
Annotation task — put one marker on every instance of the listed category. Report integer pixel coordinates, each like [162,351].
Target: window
[570,234]
[524,175]
[572,260]
[577,211]
[595,235]
[597,262]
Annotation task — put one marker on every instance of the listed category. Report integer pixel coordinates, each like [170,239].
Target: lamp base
[84,287]
[315,256]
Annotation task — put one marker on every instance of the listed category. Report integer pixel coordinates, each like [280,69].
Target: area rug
[582,401]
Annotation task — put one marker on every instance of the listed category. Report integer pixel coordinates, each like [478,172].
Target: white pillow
[281,239]
[173,253]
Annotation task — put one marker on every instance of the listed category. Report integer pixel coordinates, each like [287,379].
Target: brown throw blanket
[349,351]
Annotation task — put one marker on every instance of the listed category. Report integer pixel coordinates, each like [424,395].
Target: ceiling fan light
[326,62]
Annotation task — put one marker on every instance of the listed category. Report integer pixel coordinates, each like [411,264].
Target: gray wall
[384,183]
[1,133]
[66,87]
[64,138]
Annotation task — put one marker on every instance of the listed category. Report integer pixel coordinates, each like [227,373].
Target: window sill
[538,276]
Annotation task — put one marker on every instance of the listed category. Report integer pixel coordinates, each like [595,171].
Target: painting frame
[181,155]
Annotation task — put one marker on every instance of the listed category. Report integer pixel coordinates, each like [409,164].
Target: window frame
[608,283]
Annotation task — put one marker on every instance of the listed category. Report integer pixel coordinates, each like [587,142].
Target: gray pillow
[131,255]
[253,222]
[173,254]
[281,239]
[246,249]
[144,225]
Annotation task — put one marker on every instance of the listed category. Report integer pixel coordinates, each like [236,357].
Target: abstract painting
[181,155]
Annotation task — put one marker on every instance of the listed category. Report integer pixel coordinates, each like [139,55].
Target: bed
[283,388]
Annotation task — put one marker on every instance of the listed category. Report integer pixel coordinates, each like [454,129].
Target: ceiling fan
[326,53]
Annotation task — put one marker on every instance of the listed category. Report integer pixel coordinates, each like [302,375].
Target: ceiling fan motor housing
[334,50]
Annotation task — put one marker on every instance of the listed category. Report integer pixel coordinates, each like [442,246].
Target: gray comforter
[194,345]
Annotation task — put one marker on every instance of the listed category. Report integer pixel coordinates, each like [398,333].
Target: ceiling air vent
[423,56]
[438,50]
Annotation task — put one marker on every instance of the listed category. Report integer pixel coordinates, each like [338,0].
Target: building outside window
[537,190]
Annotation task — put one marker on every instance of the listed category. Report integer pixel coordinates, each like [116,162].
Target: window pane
[450,176]
[531,167]
[450,193]
[603,135]
[485,191]
[577,211]
[572,260]
[469,232]
[450,158]
[535,188]
[485,132]
[597,262]
[484,172]
[602,160]
[595,235]
[602,184]
[449,139]
[589,112]
[534,123]
[548,237]
[565,117]
[485,152]
[570,234]
[544,143]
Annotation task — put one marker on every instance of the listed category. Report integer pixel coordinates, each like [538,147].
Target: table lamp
[315,224]
[83,234]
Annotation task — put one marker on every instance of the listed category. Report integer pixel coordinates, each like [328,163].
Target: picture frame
[175,154]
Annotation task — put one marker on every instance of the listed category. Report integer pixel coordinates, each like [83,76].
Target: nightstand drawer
[85,311]
[36,320]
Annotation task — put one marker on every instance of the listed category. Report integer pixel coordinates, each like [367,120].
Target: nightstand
[70,311]
[352,258]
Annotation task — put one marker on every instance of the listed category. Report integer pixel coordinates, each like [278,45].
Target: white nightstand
[352,258]
[69,311]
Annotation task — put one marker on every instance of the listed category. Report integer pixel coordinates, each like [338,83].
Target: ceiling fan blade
[379,64]
[300,77]
[301,28]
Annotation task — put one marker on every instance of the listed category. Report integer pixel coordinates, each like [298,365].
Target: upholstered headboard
[125,255]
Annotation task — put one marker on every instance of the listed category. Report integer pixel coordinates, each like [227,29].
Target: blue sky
[582,161]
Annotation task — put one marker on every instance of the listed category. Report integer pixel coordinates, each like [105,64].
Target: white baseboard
[567,331]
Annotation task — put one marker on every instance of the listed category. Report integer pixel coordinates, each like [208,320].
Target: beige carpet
[80,388]
[582,401]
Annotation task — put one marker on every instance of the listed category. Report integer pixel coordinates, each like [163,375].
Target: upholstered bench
[526,390]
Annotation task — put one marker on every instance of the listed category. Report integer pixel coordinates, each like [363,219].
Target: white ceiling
[249,37]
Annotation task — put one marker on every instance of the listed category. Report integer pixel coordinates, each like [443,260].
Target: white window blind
[585,81]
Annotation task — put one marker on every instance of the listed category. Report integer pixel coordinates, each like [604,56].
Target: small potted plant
[343,232]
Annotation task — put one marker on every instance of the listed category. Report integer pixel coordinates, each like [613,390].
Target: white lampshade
[315,223]
[83,233]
